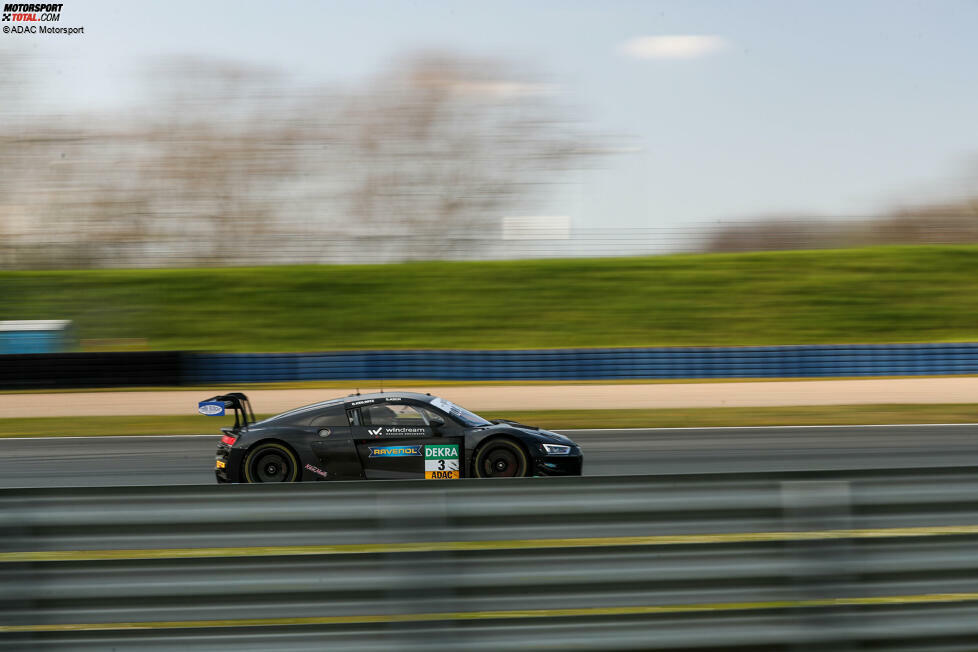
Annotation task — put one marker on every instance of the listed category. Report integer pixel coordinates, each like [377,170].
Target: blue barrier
[589,364]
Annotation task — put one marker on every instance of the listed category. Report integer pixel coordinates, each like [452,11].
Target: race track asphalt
[99,461]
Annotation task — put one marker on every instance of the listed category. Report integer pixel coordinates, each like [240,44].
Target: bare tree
[232,164]
[219,144]
[431,153]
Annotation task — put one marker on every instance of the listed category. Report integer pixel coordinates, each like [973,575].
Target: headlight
[556,449]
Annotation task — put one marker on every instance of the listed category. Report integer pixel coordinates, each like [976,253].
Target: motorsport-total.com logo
[31,13]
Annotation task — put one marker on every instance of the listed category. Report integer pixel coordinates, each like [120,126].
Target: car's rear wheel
[501,458]
[271,462]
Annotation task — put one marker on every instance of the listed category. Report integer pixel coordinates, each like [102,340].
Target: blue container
[35,336]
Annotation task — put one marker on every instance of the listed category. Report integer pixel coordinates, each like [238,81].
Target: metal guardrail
[51,371]
[108,369]
[590,364]
[762,560]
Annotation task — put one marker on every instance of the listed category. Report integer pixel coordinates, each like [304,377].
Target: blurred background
[182,135]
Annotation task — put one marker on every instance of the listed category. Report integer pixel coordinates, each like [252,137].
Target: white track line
[106,437]
[836,425]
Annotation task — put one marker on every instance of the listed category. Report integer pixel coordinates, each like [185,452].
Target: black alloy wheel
[501,458]
[271,462]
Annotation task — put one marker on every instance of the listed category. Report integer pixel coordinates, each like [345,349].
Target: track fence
[65,370]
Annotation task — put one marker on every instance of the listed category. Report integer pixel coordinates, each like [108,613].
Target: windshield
[470,419]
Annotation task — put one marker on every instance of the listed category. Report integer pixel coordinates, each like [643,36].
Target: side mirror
[437,423]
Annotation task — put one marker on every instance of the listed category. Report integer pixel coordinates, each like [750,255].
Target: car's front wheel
[501,458]
[271,462]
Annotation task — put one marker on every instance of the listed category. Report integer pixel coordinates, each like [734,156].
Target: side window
[393,414]
[430,414]
[334,416]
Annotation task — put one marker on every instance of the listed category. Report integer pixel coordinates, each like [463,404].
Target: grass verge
[882,294]
[551,419]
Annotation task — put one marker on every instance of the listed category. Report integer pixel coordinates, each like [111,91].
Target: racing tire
[501,458]
[271,462]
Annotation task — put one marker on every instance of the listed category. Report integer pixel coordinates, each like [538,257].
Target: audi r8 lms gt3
[382,436]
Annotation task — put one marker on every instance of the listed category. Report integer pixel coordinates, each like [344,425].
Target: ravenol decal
[441,462]
[211,408]
[395,451]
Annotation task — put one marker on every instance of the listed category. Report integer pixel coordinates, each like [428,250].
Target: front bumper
[555,465]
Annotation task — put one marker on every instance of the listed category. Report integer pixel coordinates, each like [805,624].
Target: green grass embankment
[550,419]
[885,294]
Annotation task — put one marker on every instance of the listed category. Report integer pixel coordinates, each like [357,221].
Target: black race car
[382,436]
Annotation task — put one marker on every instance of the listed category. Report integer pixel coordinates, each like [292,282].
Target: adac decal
[395,451]
[211,408]
[441,475]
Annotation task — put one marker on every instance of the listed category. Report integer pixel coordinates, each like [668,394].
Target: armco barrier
[68,370]
[819,560]
[591,364]
[175,368]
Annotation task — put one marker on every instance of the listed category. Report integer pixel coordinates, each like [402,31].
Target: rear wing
[216,406]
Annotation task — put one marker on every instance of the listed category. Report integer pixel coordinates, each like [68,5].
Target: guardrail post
[414,587]
[18,586]
[822,566]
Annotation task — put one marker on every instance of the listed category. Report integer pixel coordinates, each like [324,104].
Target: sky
[730,109]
